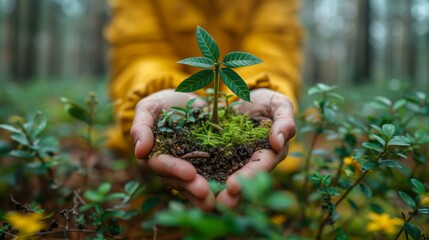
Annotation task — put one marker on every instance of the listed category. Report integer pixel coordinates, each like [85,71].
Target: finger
[168,166]
[262,160]
[206,204]
[141,130]
[283,127]
[227,199]
[197,188]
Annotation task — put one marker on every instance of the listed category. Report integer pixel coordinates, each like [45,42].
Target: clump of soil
[216,150]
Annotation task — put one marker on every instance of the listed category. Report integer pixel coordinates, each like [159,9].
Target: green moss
[234,129]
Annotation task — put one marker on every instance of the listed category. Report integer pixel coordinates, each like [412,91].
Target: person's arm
[142,61]
[274,35]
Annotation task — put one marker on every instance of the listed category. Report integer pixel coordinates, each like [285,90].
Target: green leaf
[418,186]
[423,210]
[379,139]
[353,205]
[340,234]
[201,62]
[413,230]
[10,128]
[149,204]
[22,154]
[196,81]
[327,180]
[39,124]
[372,146]
[207,44]
[384,100]
[407,199]
[366,191]
[280,201]
[104,188]
[190,102]
[234,82]
[378,129]
[131,187]
[216,187]
[75,110]
[399,104]
[390,164]
[388,129]
[399,141]
[240,59]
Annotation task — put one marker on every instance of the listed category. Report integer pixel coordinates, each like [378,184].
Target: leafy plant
[213,68]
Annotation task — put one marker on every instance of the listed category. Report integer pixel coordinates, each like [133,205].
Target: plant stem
[215,117]
[402,228]
[326,219]
[307,161]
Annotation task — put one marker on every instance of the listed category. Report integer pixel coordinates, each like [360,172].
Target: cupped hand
[174,172]
[277,107]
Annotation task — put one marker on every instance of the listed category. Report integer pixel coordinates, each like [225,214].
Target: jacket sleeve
[142,61]
[275,36]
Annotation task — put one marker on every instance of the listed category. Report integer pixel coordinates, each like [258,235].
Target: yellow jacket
[147,37]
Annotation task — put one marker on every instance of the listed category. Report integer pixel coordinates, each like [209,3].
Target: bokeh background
[348,42]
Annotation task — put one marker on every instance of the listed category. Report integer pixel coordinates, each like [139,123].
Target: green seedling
[213,68]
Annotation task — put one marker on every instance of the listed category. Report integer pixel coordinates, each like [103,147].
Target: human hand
[265,104]
[174,172]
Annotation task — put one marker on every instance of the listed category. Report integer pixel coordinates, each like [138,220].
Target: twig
[195,154]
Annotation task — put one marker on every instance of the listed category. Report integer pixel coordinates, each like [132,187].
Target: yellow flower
[278,219]
[424,200]
[26,224]
[350,161]
[383,222]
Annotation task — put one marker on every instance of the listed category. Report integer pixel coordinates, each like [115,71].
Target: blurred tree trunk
[363,55]
[24,30]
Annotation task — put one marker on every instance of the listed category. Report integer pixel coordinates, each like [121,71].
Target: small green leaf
[389,164]
[399,104]
[388,130]
[240,59]
[372,146]
[10,128]
[131,187]
[280,201]
[207,44]
[379,139]
[399,141]
[104,188]
[22,154]
[353,205]
[201,62]
[196,81]
[149,204]
[216,187]
[340,234]
[327,180]
[407,199]
[423,210]
[190,102]
[378,129]
[234,82]
[418,186]
[413,230]
[75,110]
[384,100]
[366,191]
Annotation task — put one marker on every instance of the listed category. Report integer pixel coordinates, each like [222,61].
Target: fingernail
[281,139]
[137,143]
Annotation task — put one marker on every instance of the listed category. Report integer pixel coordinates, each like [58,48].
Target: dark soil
[214,163]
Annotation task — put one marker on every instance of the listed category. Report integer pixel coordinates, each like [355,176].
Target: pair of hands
[181,175]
